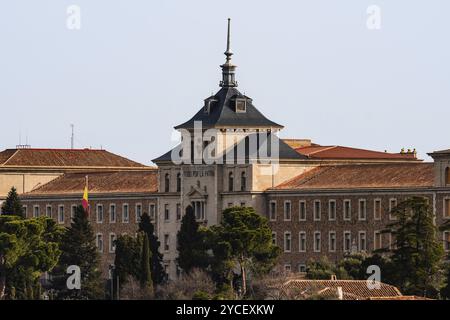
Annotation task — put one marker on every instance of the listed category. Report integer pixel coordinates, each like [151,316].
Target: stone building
[320,200]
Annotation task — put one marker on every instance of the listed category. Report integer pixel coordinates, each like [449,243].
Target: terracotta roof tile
[63,158]
[101,182]
[339,152]
[392,175]
[351,289]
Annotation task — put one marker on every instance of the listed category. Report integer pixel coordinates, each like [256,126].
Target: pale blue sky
[138,68]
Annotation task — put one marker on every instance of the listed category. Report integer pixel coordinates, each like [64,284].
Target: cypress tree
[191,244]
[79,248]
[417,254]
[156,263]
[12,205]
[145,276]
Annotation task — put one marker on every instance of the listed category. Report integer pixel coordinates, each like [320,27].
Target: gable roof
[392,175]
[351,289]
[64,158]
[222,113]
[285,152]
[340,152]
[100,182]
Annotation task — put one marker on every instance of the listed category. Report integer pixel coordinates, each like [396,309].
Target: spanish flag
[85,202]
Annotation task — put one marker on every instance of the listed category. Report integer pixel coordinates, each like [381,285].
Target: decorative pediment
[197,193]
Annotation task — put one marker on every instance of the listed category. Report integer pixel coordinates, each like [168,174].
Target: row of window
[231,183]
[167,182]
[99,212]
[348,244]
[100,243]
[332,210]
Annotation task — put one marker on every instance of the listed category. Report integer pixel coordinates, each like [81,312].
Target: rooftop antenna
[72,137]
[20,145]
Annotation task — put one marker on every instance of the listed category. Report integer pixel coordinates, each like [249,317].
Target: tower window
[241,105]
[230,181]
[447,176]
[208,104]
[243,181]
[178,182]
[167,182]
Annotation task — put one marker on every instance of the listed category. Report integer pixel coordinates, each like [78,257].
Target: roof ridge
[12,156]
[321,150]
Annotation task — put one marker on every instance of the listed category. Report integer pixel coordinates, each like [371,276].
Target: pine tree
[78,248]
[12,205]
[417,254]
[157,269]
[146,276]
[191,244]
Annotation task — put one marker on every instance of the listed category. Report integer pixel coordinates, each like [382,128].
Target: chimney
[333,277]
[340,293]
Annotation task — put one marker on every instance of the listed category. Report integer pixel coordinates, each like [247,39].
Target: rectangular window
[446,241]
[447,208]
[36,211]
[25,210]
[48,211]
[274,238]
[332,241]
[302,241]
[273,210]
[317,210]
[61,214]
[332,210]
[347,210]
[377,240]
[287,211]
[302,210]
[287,268]
[287,242]
[166,242]
[112,213]
[317,241]
[126,213]
[347,241]
[166,212]
[178,211]
[392,205]
[362,241]
[73,208]
[362,209]
[138,212]
[302,268]
[99,213]
[112,244]
[99,242]
[377,209]
[152,211]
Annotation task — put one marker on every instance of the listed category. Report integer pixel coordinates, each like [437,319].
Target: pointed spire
[228,68]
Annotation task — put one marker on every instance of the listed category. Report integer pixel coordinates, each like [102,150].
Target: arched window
[178,182]
[230,181]
[447,176]
[243,181]
[167,182]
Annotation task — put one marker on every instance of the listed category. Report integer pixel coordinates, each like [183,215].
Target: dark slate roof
[439,153]
[223,115]
[285,151]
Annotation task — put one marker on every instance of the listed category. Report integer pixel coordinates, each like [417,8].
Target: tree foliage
[417,254]
[12,205]
[242,240]
[159,275]
[79,248]
[28,248]
[191,244]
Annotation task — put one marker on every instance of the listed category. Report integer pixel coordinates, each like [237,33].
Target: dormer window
[241,105]
[208,104]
